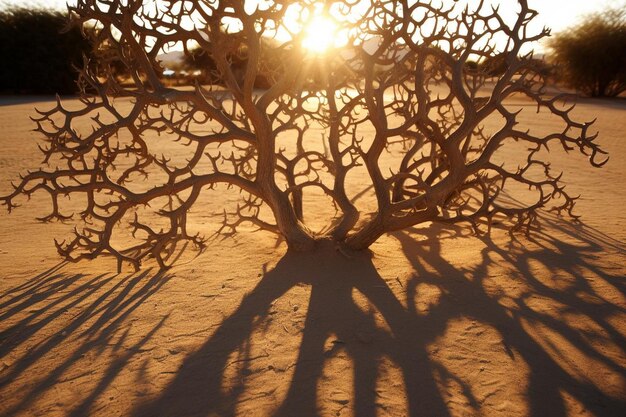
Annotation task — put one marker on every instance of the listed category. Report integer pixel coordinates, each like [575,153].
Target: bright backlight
[320,34]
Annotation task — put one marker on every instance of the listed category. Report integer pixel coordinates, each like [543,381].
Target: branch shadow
[36,328]
[197,388]
[571,258]
[407,335]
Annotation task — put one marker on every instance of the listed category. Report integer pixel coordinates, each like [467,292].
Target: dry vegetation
[401,75]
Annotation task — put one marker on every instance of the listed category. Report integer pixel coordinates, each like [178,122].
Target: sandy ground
[434,323]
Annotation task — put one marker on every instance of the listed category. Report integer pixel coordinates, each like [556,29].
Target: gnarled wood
[404,72]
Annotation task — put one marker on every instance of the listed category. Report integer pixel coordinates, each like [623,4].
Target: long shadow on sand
[102,305]
[198,389]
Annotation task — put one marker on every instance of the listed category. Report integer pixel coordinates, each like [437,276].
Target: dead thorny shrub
[394,102]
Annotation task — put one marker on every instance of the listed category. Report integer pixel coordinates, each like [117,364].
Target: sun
[319,28]
[320,35]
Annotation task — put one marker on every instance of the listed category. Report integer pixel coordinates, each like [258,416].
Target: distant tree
[198,59]
[471,66]
[494,65]
[108,58]
[591,56]
[40,52]
[270,64]
[395,107]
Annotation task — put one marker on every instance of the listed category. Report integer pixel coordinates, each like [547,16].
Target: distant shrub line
[39,52]
[591,56]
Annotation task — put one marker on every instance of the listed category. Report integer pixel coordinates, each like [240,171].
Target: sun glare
[320,34]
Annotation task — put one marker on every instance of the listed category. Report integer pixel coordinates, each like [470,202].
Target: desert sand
[433,322]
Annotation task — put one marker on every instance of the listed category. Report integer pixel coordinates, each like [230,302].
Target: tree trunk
[364,238]
[296,234]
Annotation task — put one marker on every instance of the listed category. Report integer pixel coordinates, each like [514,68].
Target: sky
[555,14]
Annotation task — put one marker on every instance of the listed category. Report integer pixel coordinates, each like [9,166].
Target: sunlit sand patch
[426,296]
[471,370]
[336,384]
[582,361]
